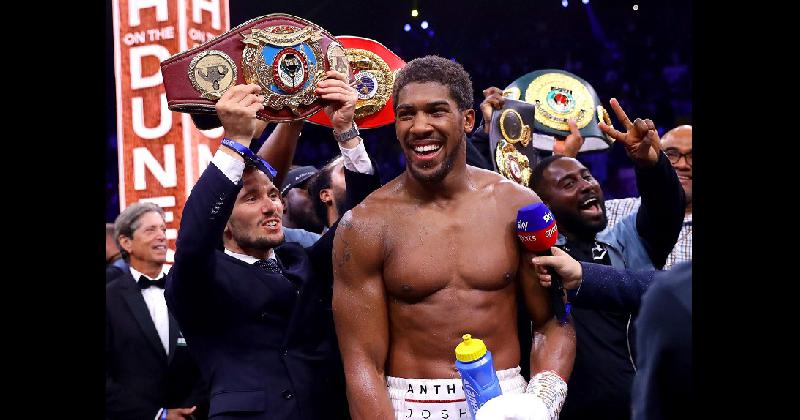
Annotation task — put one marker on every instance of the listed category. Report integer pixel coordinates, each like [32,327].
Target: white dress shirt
[248,259]
[355,159]
[157,305]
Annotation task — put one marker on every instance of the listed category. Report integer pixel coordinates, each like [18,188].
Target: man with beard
[298,209]
[433,255]
[255,308]
[600,386]
[327,190]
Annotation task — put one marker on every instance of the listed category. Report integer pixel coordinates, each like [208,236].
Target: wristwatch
[347,135]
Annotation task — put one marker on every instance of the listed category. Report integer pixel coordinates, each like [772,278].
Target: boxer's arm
[554,344]
[360,315]
[555,350]
[552,354]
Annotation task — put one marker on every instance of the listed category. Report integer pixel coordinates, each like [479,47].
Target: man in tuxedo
[256,309]
[149,371]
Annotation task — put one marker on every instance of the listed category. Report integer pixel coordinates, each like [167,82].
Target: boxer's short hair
[433,68]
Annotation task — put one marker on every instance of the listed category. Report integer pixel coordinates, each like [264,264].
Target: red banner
[161,153]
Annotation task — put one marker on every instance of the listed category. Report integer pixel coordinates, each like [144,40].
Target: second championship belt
[374,67]
[286,55]
[559,95]
[511,141]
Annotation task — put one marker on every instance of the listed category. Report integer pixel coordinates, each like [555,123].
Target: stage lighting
[414,12]
[564,3]
[424,24]
[407,27]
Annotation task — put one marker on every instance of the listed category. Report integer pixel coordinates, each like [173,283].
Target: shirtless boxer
[433,255]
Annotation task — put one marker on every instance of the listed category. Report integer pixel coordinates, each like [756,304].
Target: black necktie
[270,264]
[145,283]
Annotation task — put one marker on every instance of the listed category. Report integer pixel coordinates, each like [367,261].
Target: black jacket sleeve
[478,153]
[605,288]
[204,217]
[661,213]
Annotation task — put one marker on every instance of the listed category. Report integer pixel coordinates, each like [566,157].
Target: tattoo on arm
[341,231]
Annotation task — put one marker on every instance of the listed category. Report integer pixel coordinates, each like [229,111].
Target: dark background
[642,57]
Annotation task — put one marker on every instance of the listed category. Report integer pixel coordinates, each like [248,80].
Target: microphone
[538,232]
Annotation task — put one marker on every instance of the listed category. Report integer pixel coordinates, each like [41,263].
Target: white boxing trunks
[441,399]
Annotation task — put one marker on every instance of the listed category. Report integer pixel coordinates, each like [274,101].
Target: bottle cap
[470,349]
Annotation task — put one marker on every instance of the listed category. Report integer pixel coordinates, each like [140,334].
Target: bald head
[677,144]
[679,134]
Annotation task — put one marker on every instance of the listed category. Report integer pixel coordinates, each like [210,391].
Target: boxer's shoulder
[385,198]
[510,192]
[372,210]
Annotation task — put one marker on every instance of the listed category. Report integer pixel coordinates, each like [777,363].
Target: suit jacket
[140,377]
[265,341]
[662,387]
[116,269]
[478,151]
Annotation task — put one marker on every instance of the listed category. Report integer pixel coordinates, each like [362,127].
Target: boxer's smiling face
[431,129]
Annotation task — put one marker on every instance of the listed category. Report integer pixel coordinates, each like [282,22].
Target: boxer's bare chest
[467,244]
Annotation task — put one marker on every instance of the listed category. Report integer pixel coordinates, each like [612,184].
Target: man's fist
[237,109]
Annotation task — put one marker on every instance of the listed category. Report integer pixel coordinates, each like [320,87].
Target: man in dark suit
[149,372]
[255,309]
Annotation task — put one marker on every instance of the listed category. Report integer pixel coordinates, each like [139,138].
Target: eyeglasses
[674,156]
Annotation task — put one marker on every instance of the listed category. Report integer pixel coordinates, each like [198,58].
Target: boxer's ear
[469,120]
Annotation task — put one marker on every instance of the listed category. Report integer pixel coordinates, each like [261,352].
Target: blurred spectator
[115,264]
[298,207]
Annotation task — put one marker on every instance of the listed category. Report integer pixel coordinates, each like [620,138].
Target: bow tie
[145,283]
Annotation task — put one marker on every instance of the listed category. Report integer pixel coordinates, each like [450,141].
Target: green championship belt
[558,96]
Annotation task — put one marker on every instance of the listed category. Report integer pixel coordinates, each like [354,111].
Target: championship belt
[374,67]
[559,95]
[511,139]
[284,54]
